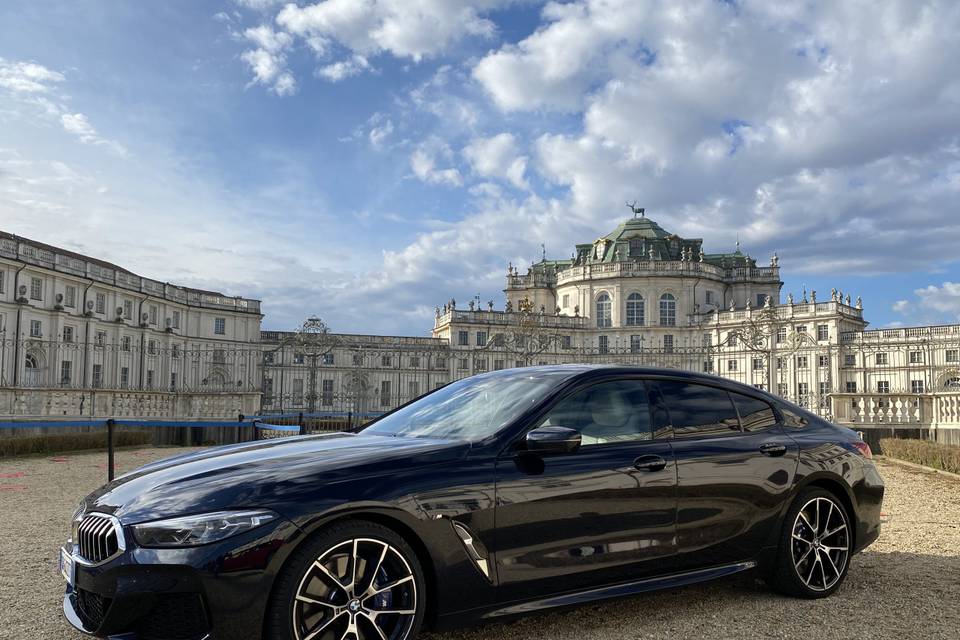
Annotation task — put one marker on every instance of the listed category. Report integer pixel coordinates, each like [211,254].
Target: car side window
[699,410]
[755,415]
[616,411]
[792,419]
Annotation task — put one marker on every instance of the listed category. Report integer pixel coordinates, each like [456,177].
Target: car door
[602,515]
[735,467]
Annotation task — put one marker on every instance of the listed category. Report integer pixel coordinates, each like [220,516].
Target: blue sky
[366,160]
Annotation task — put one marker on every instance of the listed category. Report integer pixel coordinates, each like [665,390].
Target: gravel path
[907,585]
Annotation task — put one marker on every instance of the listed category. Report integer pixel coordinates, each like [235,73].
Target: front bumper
[214,591]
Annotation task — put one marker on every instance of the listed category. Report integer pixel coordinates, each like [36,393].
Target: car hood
[253,474]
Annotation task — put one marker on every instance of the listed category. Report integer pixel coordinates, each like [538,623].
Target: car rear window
[755,414]
[697,410]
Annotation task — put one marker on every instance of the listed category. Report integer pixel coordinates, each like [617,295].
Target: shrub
[945,457]
[57,442]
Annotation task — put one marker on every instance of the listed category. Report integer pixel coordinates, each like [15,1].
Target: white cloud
[498,157]
[901,306]
[423,162]
[268,60]
[258,5]
[379,132]
[944,299]
[342,69]
[78,125]
[27,77]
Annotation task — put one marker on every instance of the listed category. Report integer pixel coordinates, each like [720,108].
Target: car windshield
[471,409]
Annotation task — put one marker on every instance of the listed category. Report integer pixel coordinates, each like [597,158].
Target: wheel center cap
[354,606]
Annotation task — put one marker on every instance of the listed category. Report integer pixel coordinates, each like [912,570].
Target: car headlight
[190,531]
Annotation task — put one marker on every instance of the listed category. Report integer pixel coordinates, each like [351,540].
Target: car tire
[816,543]
[345,578]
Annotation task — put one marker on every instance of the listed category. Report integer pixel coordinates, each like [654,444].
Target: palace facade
[83,337]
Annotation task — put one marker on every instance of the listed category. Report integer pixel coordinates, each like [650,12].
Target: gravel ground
[906,585]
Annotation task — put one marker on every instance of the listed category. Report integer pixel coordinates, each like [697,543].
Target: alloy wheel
[359,589]
[820,543]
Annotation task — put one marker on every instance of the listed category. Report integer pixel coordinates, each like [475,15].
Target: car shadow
[886,594]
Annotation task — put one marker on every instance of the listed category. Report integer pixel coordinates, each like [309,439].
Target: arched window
[636,248]
[603,311]
[32,374]
[953,384]
[634,310]
[668,310]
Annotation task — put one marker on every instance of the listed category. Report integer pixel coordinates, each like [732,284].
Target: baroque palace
[83,337]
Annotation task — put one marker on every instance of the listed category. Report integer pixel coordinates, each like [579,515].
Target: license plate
[67,567]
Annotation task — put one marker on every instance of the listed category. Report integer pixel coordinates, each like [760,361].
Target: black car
[504,493]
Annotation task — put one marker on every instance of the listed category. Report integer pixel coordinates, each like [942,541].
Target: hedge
[945,457]
[57,442]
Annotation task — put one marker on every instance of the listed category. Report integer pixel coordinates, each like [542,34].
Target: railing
[879,335]
[639,268]
[505,318]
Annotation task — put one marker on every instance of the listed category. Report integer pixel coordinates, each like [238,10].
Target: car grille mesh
[92,607]
[98,538]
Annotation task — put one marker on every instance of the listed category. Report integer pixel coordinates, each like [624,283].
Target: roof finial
[738,242]
[633,207]
[543,252]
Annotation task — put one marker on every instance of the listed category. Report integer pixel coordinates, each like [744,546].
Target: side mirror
[546,440]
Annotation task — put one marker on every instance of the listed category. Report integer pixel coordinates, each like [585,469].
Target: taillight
[863,448]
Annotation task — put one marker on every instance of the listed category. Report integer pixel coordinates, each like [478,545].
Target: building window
[565,342]
[731,365]
[36,289]
[780,362]
[36,329]
[916,357]
[100,338]
[328,358]
[668,343]
[66,369]
[802,362]
[219,356]
[298,391]
[782,389]
[220,326]
[479,364]
[414,362]
[175,351]
[125,343]
[68,334]
[385,361]
[823,332]
[708,366]
[761,299]
[463,338]
[498,364]
[326,393]
[603,311]
[357,360]
[668,310]
[481,338]
[953,355]
[709,297]
[268,358]
[823,361]
[757,364]
[881,358]
[298,358]
[152,349]
[952,384]
[883,386]
[824,393]
[781,335]
[70,296]
[97,376]
[801,328]
[916,386]
[173,381]
[636,248]
[519,364]
[732,339]
[101,303]
[2,274]
[127,309]
[175,322]
[566,301]
[635,311]
[851,386]
[849,360]
[149,378]
[384,393]
[603,344]
[462,364]
[636,344]
[803,392]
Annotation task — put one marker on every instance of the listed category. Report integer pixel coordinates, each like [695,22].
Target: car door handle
[773,449]
[650,463]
